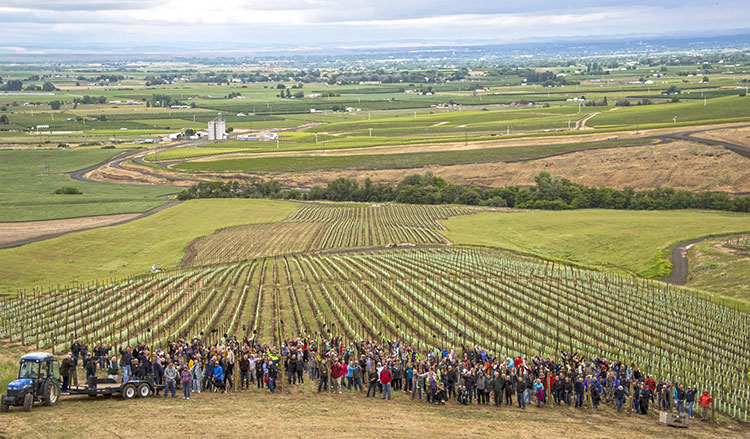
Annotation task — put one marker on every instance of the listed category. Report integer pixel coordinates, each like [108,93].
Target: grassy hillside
[29,178]
[713,267]
[634,241]
[129,248]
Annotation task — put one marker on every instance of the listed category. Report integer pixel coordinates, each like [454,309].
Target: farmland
[306,263]
[325,227]
[635,242]
[721,266]
[418,296]
[400,160]
[31,176]
[129,248]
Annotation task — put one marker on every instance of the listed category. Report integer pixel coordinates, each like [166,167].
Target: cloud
[316,21]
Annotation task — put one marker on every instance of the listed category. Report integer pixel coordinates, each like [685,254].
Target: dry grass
[739,136]
[302,413]
[679,164]
[11,232]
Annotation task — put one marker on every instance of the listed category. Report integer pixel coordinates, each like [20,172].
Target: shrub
[67,190]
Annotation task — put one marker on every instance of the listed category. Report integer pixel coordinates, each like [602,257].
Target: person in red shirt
[705,403]
[336,375]
[385,378]
[651,385]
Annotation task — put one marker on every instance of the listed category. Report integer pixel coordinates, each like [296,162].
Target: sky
[31,25]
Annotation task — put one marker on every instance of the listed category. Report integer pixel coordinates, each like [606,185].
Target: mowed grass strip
[397,161]
[634,241]
[130,248]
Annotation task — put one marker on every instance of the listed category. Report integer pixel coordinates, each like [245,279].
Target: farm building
[217,129]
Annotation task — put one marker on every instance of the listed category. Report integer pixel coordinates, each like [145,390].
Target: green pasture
[129,248]
[720,271]
[637,242]
[30,177]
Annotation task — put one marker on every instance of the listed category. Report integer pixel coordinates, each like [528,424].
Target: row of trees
[548,193]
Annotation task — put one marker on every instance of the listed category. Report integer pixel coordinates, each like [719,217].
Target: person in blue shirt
[218,376]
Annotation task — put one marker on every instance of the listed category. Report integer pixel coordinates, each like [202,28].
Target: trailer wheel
[4,407]
[28,400]
[128,392]
[144,390]
[50,393]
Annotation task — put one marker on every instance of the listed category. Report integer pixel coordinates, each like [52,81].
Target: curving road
[135,155]
[679,259]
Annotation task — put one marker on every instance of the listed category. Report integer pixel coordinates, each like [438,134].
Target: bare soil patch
[12,232]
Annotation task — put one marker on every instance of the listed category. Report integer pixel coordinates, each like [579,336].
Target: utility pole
[370,132]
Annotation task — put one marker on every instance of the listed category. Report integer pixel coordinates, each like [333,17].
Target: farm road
[135,155]
[679,259]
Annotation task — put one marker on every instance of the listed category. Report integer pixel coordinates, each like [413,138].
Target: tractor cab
[38,380]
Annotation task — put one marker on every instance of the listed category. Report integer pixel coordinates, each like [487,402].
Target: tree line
[548,193]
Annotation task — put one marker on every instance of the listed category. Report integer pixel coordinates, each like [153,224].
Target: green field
[129,248]
[633,241]
[732,107]
[719,271]
[30,177]
[396,161]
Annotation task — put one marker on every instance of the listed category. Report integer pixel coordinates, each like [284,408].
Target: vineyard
[325,227]
[427,297]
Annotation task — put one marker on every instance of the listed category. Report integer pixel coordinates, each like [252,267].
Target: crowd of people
[437,376]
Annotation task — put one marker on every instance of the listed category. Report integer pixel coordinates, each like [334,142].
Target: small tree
[55,105]
[705,79]
[4,120]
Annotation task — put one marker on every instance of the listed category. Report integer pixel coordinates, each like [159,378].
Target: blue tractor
[38,380]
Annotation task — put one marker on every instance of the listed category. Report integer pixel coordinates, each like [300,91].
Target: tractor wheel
[128,391]
[28,400]
[144,390]
[3,406]
[50,393]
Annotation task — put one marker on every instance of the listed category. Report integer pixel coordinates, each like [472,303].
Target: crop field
[398,160]
[325,227]
[429,298]
[735,108]
[129,248]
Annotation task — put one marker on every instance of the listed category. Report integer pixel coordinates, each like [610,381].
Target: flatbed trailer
[110,387]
